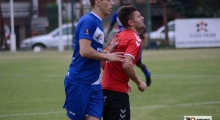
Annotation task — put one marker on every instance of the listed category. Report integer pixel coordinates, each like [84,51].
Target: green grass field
[185,82]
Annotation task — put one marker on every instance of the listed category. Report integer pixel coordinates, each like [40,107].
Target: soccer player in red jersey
[142,35]
[117,74]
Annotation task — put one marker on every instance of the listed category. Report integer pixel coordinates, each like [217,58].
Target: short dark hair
[92,3]
[125,13]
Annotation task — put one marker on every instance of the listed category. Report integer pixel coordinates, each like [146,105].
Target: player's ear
[98,2]
[130,22]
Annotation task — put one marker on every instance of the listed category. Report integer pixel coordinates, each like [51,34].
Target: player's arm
[87,51]
[86,32]
[128,67]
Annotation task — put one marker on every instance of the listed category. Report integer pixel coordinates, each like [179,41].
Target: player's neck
[133,29]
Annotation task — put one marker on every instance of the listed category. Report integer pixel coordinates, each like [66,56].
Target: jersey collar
[96,16]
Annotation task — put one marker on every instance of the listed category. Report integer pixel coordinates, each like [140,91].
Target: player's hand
[116,56]
[113,44]
[141,86]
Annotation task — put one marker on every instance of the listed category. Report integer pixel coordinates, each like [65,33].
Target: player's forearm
[130,72]
[93,54]
[87,51]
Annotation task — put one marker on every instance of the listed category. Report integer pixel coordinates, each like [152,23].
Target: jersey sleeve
[133,48]
[87,28]
[114,18]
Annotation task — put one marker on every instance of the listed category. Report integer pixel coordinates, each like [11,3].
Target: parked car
[159,34]
[50,40]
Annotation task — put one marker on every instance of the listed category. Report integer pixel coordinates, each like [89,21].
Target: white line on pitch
[61,75]
[28,114]
[177,105]
[143,107]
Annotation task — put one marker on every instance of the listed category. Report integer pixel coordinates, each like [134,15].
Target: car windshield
[65,31]
[170,27]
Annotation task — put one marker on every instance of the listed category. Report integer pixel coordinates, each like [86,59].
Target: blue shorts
[82,100]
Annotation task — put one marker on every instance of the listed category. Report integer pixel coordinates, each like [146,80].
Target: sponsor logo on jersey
[87,31]
[99,36]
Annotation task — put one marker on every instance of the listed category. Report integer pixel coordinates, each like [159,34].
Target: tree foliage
[195,8]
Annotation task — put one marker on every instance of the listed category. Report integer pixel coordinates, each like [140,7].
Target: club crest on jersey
[99,36]
[87,31]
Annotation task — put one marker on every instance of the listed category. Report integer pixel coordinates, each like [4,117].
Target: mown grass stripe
[143,107]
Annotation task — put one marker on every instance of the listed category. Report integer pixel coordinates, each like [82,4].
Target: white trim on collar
[96,16]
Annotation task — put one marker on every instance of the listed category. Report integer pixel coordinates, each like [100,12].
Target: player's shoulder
[128,34]
[88,17]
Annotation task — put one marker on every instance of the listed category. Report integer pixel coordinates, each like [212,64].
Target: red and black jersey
[114,77]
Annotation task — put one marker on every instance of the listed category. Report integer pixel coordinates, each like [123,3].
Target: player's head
[125,2]
[130,17]
[92,3]
[103,6]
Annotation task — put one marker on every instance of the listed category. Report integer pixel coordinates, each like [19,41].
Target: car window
[65,31]
[170,28]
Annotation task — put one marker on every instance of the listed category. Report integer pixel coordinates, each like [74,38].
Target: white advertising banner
[192,33]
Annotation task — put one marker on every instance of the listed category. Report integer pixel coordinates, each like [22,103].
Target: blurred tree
[195,8]
[52,13]
[3,39]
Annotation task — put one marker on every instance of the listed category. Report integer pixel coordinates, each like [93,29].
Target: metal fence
[32,21]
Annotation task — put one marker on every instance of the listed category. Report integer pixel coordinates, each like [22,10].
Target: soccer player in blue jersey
[139,62]
[84,98]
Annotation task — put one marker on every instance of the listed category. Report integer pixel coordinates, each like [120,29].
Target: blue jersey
[86,70]
[116,19]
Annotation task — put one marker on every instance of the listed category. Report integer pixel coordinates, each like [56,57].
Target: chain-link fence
[39,20]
